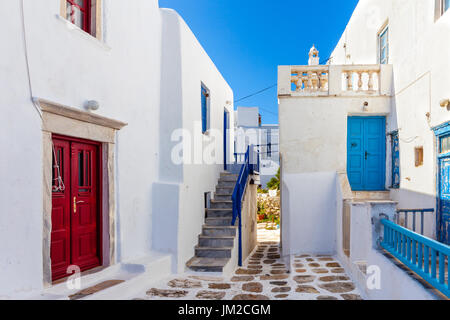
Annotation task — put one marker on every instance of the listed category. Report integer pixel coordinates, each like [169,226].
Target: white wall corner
[335,80]
[284,80]
[386,80]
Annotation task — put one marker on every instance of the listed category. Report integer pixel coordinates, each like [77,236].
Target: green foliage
[274,183]
[263,191]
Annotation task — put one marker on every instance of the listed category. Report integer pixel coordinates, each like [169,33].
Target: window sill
[70,26]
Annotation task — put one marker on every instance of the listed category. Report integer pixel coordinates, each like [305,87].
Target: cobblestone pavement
[264,276]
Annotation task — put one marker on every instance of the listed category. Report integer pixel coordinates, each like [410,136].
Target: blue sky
[248,39]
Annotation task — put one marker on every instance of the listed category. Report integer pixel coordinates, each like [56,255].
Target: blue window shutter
[204,110]
[395,161]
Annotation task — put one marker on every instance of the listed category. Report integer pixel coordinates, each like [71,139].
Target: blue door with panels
[366,153]
[443,216]
[443,223]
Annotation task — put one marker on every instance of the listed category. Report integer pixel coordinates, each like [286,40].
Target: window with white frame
[383,44]
[85,14]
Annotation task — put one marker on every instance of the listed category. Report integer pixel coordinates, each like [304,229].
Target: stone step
[371,195]
[225,190]
[231,178]
[219,231]
[223,196]
[226,173]
[219,221]
[219,213]
[207,264]
[226,184]
[221,204]
[215,242]
[210,252]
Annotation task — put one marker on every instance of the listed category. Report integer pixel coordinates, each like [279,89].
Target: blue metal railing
[248,167]
[424,256]
[414,213]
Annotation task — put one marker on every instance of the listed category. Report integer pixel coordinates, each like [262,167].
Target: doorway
[76,205]
[443,214]
[366,153]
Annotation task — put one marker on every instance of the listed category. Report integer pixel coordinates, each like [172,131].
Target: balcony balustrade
[335,80]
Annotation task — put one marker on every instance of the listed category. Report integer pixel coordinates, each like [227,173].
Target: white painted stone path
[264,276]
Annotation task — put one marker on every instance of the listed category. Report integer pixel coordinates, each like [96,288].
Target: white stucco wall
[70,67]
[419,53]
[308,221]
[247,117]
[185,60]
[159,206]
[20,164]
[313,144]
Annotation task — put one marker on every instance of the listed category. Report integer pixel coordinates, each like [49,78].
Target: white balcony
[335,80]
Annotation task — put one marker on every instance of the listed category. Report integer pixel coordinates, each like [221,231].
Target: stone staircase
[217,242]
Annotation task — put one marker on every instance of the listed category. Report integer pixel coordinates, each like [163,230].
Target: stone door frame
[72,122]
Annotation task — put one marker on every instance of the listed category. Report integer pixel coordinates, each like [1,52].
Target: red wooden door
[84,185]
[61,209]
[75,212]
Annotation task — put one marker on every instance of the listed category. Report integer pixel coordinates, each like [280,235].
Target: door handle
[366,155]
[75,202]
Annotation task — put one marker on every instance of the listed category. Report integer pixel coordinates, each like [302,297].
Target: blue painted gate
[366,153]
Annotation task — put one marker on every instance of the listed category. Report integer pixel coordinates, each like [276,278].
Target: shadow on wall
[166,193]
[409,199]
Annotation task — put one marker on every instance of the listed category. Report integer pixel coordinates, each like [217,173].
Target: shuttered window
[205,109]
[395,150]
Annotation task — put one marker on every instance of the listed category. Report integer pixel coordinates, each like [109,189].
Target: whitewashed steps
[216,243]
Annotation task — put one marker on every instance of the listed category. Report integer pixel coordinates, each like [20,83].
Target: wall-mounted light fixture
[445,103]
[365,106]
[92,105]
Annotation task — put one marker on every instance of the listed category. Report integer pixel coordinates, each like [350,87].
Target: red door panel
[60,236]
[84,196]
[75,237]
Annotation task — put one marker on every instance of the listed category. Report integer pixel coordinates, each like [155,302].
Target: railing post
[433,263]
[426,260]
[441,268]
[420,256]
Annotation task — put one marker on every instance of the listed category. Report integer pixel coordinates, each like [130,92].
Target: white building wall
[419,54]
[20,164]
[247,117]
[69,67]
[248,131]
[202,173]
[135,83]
[313,144]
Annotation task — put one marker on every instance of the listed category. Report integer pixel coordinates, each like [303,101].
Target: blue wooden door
[443,223]
[366,153]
